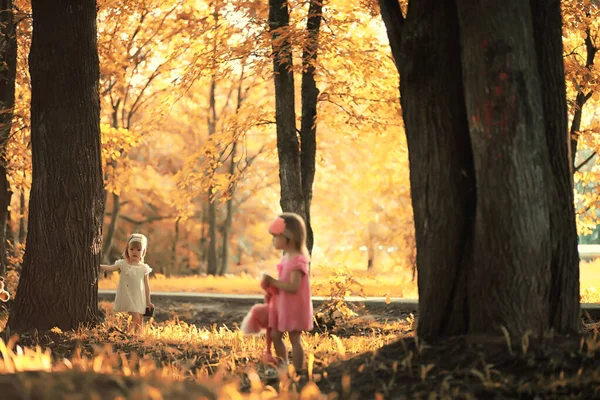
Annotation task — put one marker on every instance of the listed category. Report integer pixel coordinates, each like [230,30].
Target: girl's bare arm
[108,268]
[291,286]
[147,287]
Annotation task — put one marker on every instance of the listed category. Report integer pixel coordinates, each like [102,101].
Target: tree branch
[391,13]
[587,160]
[145,221]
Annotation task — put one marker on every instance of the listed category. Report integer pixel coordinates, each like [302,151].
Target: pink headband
[277,227]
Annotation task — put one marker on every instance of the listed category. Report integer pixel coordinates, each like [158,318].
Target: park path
[407,304]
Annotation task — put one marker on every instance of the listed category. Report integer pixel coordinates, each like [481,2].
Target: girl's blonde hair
[295,230]
[136,237]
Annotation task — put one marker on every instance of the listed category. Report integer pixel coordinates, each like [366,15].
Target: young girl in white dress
[133,292]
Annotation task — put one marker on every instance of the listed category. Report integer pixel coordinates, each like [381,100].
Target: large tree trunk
[564,291]
[290,175]
[512,248]
[8,68]
[441,165]
[308,126]
[58,285]
[485,193]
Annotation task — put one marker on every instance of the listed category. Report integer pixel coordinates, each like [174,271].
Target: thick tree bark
[441,165]
[309,95]
[58,285]
[8,69]
[485,192]
[290,175]
[564,291]
[512,251]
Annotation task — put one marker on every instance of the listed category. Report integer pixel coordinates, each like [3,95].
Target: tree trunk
[5,197]
[58,285]
[10,236]
[290,178]
[112,227]
[203,250]
[22,228]
[8,62]
[441,164]
[309,94]
[212,267]
[371,254]
[170,269]
[225,259]
[581,98]
[212,262]
[504,105]
[564,290]
[485,193]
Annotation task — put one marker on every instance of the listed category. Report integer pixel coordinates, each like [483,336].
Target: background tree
[139,43]
[58,284]
[8,69]
[581,42]
[296,152]
[480,151]
[157,166]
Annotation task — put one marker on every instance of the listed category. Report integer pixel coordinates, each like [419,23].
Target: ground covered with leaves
[196,351]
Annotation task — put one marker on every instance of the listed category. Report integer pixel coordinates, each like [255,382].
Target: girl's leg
[297,350]
[141,324]
[136,322]
[268,354]
[280,349]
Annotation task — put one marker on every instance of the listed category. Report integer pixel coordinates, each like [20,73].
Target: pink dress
[294,310]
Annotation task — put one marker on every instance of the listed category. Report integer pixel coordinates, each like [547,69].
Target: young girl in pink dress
[293,302]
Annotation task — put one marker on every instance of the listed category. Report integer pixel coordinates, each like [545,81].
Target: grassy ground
[195,351]
[202,344]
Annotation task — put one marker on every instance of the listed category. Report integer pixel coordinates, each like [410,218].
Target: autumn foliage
[188,133]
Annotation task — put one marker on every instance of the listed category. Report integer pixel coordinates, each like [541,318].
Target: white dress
[131,292]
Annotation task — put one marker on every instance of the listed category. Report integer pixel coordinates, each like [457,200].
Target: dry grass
[162,362]
[176,359]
